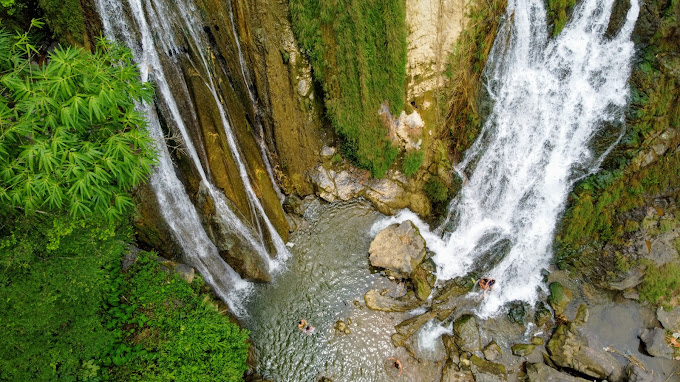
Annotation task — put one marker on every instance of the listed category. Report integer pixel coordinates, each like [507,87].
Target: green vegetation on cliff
[466,64]
[70,137]
[597,215]
[357,50]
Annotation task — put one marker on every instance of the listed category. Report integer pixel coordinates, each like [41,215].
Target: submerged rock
[670,319]
[423,282]
[399,249]
[376,301]
[484,370]
[574,348]
[466,333]
[523,350]
[517,312]
[453,288]
[408,327]
[492,351]
[538,372]
[655,343]
[542,314]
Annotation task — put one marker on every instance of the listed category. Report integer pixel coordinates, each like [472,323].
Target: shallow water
[325,281]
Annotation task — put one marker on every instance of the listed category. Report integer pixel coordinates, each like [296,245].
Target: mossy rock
[482,366]
[421,283]
[523,350]
[542,314]
[559,297]
[517,312]
[466,333]
[538,341]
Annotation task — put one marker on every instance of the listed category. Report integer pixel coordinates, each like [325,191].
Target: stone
[542,314]
[375,301]
[484,370]
[670,319]
[538,341]
[407,328]
[340,326]
[421,283]
[186,272]
[327,151]
[452,373]
[522,350]
[559,298]
[453,288]
[492,351]
[538,372]
[581,315]
[517,312]
[466,333]
[655,343]
[636,373]
[398,249]
[451,349]
[631,279]
[571,346]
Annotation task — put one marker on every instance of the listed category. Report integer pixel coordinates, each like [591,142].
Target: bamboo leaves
[70,137]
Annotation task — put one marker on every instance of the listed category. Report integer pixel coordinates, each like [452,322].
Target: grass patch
[558,12]
[357,50]
[412,162]
[466,64]
[661,284]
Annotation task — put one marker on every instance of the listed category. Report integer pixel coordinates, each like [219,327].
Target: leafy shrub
[70,135]
[170,332]
[358,54]
[412,162]
[54,279]
[436,190]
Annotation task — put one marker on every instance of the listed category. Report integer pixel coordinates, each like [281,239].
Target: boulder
[637,373]
[538,341]
[538,372]
[559,298]
[452,373]
[376,301]
[523,350]
[670,319]
[542,314]
[453,288]
[574,348]
[466,333]
[186,272]
[488,371]
[408,327]
[492,351]
[517,312]
[655,343]
[423,282]
[631,279]
[399,249]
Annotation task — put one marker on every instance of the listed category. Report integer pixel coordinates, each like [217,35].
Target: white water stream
[550,98]
[152,32]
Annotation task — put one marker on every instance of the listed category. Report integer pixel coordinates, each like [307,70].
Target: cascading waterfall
[550,99]
[148,47]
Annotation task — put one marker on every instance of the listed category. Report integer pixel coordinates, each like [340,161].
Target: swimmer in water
[397,364]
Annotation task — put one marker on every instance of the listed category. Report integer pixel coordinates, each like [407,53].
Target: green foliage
[52,285]
[170,332]
[661,284]
[596,215]
[436,190]
[412,162]
[465,67]
[70,137]
[357,49]
[557,13]
[65,18]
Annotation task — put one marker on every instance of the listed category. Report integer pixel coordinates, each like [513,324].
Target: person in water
[302,324]
[397,365]
[486,283]
[309,329]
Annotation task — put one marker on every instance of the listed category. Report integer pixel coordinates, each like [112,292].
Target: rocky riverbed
[365,314]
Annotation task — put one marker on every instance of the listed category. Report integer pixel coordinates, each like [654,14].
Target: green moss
[357,49]
[558,11]
[661,284]
[412,162]
[436,190]
[66,20]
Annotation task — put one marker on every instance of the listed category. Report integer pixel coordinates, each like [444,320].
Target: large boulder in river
[466,334]
[376,300]
[538,372]
[571,346]
[399,249]
[655,343]
[670,319]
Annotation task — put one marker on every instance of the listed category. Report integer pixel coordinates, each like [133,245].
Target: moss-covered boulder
[559,298]
[487,370]
[377,301]
[492,351]
[466,333]
[523,350]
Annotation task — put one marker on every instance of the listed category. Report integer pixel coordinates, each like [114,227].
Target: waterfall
[551,97]
[157,33]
